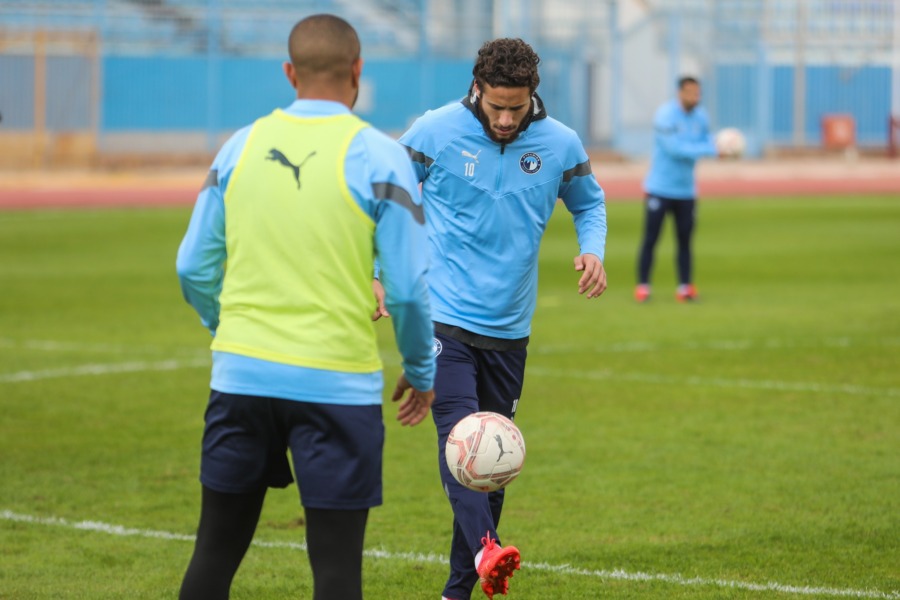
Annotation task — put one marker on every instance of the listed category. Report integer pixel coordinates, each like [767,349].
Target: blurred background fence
[95,81]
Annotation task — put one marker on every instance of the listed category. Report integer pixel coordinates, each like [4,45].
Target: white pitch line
[390,359]
[753,384]
[723,345]
[750,384]
[60,346]
[615,348]
[617,574]
[103,369]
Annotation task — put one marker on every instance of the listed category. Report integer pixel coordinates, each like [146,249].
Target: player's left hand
[593,276]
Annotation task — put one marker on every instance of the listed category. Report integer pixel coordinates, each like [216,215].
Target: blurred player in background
[492,167]
[313,195]
[681,136]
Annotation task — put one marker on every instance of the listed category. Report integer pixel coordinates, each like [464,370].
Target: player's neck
[344,95]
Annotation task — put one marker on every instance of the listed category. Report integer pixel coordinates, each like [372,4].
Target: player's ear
[356,71]
[290,73]
[475,92]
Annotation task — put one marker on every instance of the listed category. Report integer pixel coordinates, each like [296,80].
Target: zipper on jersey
[499,183]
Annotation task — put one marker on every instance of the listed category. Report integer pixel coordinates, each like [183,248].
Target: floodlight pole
[40,97]
[426,89]
[800,76]
[675,43]
[616,75]
[894,117]
[213,76]
[895,70]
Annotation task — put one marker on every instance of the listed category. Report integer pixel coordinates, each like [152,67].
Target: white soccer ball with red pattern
[485,451]
[730,142]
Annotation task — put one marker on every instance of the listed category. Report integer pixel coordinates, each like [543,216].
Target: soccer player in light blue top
[681,137]
[493,167]
[278,262]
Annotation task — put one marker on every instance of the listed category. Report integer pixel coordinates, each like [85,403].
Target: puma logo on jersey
[468,154]
[280,158]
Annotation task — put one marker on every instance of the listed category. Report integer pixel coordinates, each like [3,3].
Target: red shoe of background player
[686,293]
[642,293]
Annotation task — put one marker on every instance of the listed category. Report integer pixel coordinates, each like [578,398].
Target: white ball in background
[730,142]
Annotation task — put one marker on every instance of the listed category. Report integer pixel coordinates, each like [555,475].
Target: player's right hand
[593,275]
[380,309]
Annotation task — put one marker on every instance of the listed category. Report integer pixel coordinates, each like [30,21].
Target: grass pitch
[744,446]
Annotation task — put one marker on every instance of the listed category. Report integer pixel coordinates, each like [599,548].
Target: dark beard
[486,125]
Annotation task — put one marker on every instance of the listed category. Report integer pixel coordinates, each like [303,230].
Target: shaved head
[323,46]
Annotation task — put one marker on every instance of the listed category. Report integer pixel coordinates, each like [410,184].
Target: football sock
[334,540]
[227,523]
[478,557]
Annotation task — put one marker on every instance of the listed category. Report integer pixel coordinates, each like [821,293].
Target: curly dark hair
[507,62]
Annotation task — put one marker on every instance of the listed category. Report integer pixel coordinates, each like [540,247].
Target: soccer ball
[730,142]
[485,451]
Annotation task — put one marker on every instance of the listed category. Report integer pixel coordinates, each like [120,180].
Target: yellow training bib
[298,281]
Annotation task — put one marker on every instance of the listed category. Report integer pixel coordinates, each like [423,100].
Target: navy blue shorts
[336,449]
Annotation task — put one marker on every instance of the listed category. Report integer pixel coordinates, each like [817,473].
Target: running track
[621,181]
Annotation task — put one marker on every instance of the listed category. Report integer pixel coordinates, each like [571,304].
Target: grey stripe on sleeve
[418,157]
[395,193]
[577,171]
[212,179]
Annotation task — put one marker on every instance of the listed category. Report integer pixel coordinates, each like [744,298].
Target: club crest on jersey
[436,346]
[530,163]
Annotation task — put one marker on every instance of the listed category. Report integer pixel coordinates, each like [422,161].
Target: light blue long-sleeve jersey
[680,138]
[375,168]
[487,206]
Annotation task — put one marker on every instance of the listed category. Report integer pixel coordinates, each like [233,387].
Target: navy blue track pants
[469,380]
[684,214]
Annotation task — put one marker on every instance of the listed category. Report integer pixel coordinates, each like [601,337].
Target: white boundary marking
[619,574]
[98,347]
[598,375]
[104,369]
[723,345]
[751,384]
[96,369]
[391,359]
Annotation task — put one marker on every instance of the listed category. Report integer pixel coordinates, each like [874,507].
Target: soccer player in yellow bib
[278,262]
